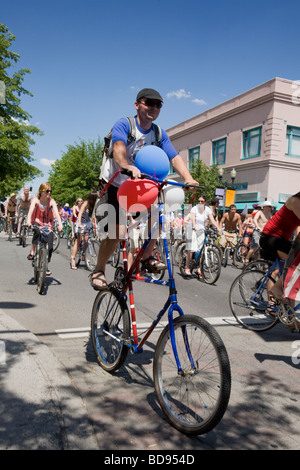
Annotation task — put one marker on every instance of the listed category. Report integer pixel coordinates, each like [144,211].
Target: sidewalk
[39,406]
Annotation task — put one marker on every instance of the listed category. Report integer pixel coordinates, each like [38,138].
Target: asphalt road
[68,297]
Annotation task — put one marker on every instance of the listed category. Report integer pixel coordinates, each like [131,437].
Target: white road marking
[73,333]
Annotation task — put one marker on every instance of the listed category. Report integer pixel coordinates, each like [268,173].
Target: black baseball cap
[149,93]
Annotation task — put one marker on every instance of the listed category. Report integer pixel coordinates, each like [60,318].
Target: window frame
[289,136]
[247,142]
[216,144]
[195,155]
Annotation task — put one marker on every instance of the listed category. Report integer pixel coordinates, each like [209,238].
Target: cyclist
[195,233]
[275,239]
[260,219]
[42,212]
[23,207]
[83,224]
[75,212]
[11,210]
[148,104]
[232,224]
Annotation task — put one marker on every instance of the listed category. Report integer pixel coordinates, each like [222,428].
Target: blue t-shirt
[120,132]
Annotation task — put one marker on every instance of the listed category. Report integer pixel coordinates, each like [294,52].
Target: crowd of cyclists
[264,231]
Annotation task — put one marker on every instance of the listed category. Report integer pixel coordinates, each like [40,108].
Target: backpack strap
[158,135]
[132,133]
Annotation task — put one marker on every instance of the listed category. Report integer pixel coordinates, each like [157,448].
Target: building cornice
[230,108]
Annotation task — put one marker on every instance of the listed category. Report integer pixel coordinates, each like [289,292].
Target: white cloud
[198,101]
[182,93]
[46,162]
[179,94]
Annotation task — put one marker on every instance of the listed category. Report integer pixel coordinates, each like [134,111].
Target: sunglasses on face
[48,191]
[151,103]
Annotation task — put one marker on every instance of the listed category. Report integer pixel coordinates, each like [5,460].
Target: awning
[240,206]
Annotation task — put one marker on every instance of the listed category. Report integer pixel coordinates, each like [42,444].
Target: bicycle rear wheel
[210,265]
[91,253]
[248,300]
[110,327]
[196,398]
[158,253]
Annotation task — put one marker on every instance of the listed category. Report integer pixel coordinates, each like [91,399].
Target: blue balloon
[152,161]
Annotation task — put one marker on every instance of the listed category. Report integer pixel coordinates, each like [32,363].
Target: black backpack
[107,150]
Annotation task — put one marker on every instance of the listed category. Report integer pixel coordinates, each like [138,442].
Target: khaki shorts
[231,237]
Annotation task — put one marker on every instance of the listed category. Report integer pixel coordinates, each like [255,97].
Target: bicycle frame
[277,265]
[171,304]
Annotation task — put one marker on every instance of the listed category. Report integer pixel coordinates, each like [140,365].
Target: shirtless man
[11,209]
[23,207]
[232,223]
[260,220]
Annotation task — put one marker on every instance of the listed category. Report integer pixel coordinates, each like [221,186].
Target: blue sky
[89,58]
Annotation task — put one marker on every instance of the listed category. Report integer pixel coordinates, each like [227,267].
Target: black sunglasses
[151,103]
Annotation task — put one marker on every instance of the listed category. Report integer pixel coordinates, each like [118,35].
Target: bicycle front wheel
[42,268]
[91,254]
[195,398]
[240,254]
[110,328]
[210,265]
[249,303]
[56,240]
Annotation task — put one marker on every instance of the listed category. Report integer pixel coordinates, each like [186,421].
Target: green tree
[207,177]
[15,131]
[77,172]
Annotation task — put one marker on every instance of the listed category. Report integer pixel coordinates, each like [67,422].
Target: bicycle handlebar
[163,182]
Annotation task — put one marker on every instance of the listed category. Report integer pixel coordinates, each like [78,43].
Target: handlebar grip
[129,173]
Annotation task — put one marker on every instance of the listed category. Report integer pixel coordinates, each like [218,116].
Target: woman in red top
[42,212]
[275,239]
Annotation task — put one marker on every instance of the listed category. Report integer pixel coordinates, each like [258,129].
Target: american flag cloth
[291,272]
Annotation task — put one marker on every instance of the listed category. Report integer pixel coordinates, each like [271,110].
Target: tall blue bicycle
[191,369]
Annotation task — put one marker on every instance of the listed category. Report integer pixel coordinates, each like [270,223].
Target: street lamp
[232,175]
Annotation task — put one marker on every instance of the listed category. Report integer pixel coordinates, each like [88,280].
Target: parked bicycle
[87,251]
[206,259]
[191,368]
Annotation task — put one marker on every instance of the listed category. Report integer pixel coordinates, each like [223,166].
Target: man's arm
[239,222]
[119,153]
[222,221]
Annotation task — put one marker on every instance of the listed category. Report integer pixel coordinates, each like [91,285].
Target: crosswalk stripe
[73,333]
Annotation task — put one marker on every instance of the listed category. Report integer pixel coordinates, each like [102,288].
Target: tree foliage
[77,172]
[207,177]
[15,131]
